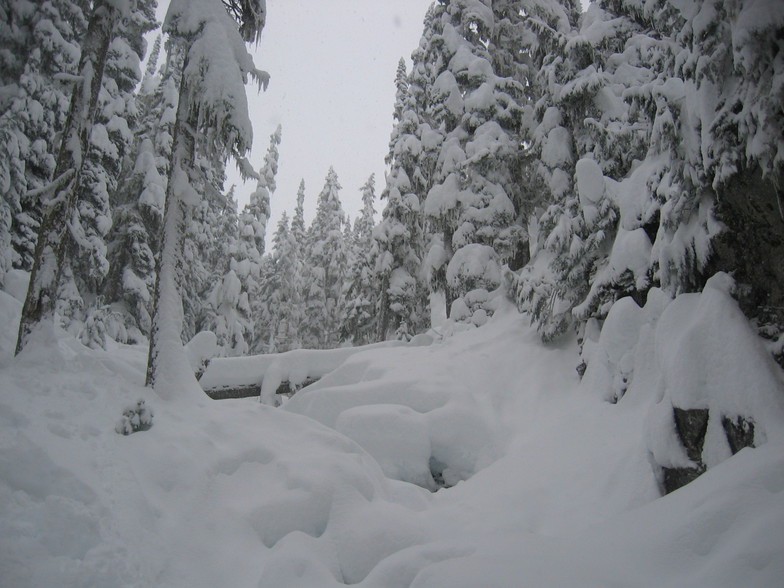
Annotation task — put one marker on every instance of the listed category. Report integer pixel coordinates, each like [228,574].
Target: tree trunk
[50,249]
[166,360]
[383,313]
[449,294]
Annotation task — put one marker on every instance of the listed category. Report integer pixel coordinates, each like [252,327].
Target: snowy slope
[550,484]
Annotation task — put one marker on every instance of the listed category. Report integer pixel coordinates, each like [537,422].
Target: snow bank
[543,482]
[397,438]
[193,501]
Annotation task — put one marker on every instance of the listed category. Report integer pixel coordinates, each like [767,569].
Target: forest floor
[479,460]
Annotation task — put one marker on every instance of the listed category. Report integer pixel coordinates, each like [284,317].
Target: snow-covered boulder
[711,386]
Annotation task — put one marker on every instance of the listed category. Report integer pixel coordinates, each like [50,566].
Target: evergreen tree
[39,43]
[325,273]
[638,126]
[230,319]
[257,211]
[138,203]
[39,307]
[149,80]
[111,142]
[253,230]
[298,222]
[400,237]
[281,294]
[363,292]
[279,308]
[138,213]
[293,250]
[229,313]
[563,126]
[478,113]
[211,125]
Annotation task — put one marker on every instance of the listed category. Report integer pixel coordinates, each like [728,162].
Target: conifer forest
[548,350]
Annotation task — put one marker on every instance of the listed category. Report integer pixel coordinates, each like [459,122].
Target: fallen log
[285,388]
[273,375]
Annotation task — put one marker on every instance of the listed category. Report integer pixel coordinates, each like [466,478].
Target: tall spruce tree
[38,43]
[253,227]
[478,113]
[326,269]
[647,120]
[362,294]
[212,124]
[138,203]
[281,295]
[400,238]
[133,241]
[50,251]
[110,146]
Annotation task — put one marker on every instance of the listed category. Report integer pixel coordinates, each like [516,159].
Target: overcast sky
[332,66]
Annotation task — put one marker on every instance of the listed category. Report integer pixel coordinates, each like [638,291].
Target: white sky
[332,66]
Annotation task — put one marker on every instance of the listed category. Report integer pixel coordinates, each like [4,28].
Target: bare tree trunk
[449,294]
[50,249]
[382,319]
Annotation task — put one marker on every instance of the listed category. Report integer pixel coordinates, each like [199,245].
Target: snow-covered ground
[546,482]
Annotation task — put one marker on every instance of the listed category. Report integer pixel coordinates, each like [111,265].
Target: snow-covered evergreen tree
[39,307]
[253,230]
[138,213]
[138,202]
[360,325]
[281,313]
[257,211]
[578,111]
[293,250]
[326,270]
[149,80]
[227,311]
[279,308]
[646,117]
[230,320]
[212,124]
[39,43]
[111,140]
[479,113]
[400,238]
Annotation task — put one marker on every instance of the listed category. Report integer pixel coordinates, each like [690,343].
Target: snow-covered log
[265,375]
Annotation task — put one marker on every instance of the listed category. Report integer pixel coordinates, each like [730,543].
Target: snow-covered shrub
[137,417]
[101,323]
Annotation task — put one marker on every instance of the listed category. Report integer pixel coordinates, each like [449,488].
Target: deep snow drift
[543,482]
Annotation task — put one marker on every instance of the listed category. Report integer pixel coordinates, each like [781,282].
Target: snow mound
[418,426]
[397,438]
